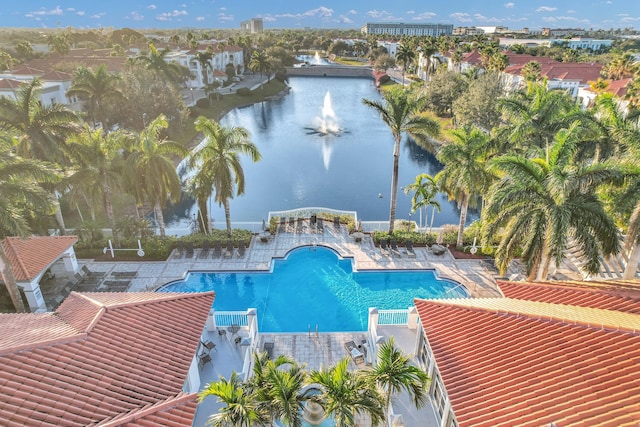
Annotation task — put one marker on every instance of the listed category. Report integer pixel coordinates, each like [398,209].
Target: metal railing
[393,317]
[308,211]
[228,318]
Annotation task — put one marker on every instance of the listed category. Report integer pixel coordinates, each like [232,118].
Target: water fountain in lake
[326,125]
[316,59]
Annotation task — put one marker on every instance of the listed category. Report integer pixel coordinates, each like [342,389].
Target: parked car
[236,79]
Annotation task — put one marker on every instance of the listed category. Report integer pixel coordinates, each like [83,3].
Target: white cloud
[225,17]
[98,15]
[483,18]
[344,19]
[546,9]
[352,12]
[168,16]
[268,18]
[411,12]
[509,5]
[80,13]
[134,16]
[70,9]
[44,12]
[152,7]
[461,16]
[322,12]
[223,8]
[376,14]
[424,16]
[200,18]
[571,11]
[571,19]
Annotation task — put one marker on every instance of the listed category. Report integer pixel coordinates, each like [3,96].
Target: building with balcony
[401,29]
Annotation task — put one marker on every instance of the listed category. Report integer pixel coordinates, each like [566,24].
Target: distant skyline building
[402,29]
[253,25]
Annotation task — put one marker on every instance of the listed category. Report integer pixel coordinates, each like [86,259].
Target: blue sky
[514,14]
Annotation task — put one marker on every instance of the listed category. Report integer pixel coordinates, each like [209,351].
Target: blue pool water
[314,286]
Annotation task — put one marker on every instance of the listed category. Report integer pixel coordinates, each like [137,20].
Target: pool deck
[315,351]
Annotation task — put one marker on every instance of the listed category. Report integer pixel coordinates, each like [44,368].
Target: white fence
[228,318]
[308,212]
[393,317]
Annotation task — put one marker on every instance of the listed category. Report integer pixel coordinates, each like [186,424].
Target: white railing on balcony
[393,317]
[307,212]
[228,318]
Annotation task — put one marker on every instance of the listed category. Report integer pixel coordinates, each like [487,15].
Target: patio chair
[299,224]
[222,333]
[383,247]
[283,224]
[356,355]
[336,222]
[268,347]
[188,252]
[209,345]
[394,248]
[241,249]
[204,252]
[203,359]
[217,249]
[292,223]
[179,249]
[228,253]
[409,248]
[320,225]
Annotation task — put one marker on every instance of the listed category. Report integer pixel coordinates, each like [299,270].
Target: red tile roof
[30,256]
[101,356]
[10,84]
[508,362]
[583,72]
[574,294]
[174,412]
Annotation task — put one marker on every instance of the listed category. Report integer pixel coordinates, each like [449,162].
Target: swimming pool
[313,286]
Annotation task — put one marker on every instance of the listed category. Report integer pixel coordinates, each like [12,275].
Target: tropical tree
[260,63]
[22,194]
[424,189]
[531,71]
[150,171]
[220,157]
[621,65]
[405,56]
[400,111]
[94,88]
[539,205]
[464,176]
[97,167]
[239,407]
[204,58]
[345,394]
[394,373]
[156,61]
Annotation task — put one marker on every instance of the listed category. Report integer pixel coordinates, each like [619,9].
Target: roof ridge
[152,408]
[167,296]
[15,254]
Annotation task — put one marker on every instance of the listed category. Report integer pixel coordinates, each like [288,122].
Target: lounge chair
[241,249]
[204,253]
[356,355]
[292,223]
[383,247]
[283,224]
[188,253]
[409,248]
[179,249]
[217,249]
[336,222]
[268,347]
[299,224]
[320,225]
[229,251]
[394,247]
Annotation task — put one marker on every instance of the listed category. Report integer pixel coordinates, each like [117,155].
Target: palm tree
[97,166]
[425,189]
[622,65]
[220,157]
[240,408]
[399,110]
[260,63]
[464,176]
[394,373]
[285,397]
[204,58]
[22,193]
[540,203]
[94,88]
[345,394]
[531,71]
[150,170]
[156,61]
[405,56]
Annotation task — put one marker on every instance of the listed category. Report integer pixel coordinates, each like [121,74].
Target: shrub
[244,91]
[418,238]
[384,79]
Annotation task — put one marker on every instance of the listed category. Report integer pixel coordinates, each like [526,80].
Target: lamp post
[192,101]
[144,120]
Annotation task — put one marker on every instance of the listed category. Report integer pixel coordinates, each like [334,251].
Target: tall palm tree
[240,408]
[540,203]
[94,88]
[150,170]
[204,58]
[405,56]
[220,157]
[400,111]
[464,176]
[425,189]
[40,130]
[156,61]
[346,394]
[286,399]
[394,373]
[260,63]
[21,191]
[621,65]
[97,166]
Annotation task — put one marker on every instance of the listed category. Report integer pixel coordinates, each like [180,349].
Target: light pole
[144,120]
[192,101]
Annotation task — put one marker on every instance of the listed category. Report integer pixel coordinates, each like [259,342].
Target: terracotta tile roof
[584,296]
[583,72]
[616,87]
[10,84]
[22,330]
[134,355]
[28,257]
[174,412]
[521,59]
[506,362]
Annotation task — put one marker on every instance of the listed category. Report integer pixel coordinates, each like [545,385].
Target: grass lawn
[352,61]
[219,108]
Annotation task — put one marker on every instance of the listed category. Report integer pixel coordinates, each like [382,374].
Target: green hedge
[243,91]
